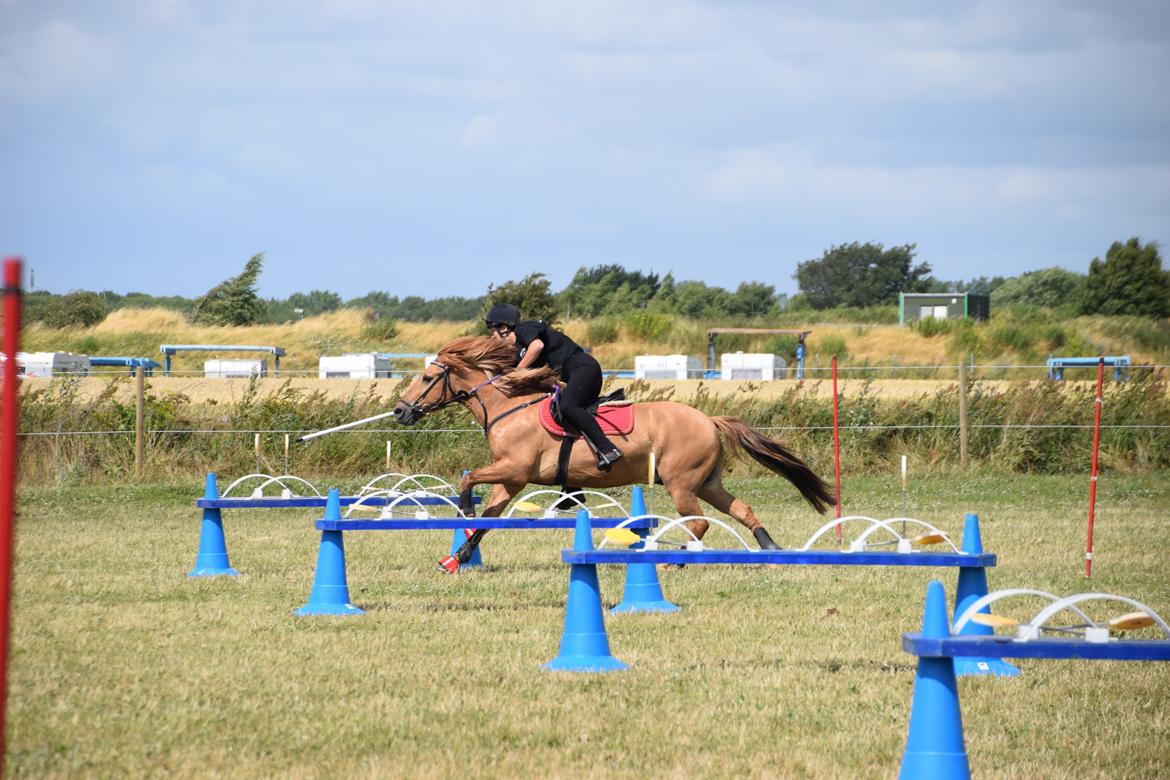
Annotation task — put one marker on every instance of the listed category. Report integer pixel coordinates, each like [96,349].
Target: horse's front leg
[501,494]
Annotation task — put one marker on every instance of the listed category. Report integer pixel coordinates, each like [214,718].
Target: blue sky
[433,148]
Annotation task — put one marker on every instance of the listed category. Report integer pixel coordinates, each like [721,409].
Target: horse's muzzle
[404,414]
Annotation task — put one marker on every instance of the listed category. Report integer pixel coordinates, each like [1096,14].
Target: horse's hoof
[449,565]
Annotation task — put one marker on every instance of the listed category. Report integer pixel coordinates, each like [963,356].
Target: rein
[462,395]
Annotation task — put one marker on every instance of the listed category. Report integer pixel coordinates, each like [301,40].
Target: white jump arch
[266,480]
[1055,606]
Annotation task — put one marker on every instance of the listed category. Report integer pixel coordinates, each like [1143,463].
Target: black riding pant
[582,375]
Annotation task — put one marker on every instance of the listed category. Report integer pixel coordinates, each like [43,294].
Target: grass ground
[122,666]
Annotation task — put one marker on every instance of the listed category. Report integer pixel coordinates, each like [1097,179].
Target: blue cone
[457,542]
[212,559]
[934,743]
[973,586]
[330,594]
[643,592]
[584,643]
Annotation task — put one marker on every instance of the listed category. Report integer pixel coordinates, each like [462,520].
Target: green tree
[80,308]
[531,295]
[752,299]
[1048,287]
[608,289]
[1129,281]
[234,301]
[861,275]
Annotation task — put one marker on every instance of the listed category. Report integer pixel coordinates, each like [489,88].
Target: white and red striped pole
[9,423]
[1093,478]
[836,448]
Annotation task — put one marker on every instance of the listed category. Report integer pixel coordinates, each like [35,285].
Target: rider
[539,344]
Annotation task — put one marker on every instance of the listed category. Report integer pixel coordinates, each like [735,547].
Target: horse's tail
[774,457]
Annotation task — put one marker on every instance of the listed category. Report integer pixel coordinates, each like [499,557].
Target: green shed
[944,306]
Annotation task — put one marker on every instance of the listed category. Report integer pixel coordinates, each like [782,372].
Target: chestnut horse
[479,373]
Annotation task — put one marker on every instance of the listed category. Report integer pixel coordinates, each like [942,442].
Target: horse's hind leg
[713,492]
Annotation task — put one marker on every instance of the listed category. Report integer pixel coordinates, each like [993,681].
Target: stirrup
[607,459]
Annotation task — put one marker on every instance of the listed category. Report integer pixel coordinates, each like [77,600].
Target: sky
[434,148]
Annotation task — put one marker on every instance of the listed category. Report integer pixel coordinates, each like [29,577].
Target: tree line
[1129,280]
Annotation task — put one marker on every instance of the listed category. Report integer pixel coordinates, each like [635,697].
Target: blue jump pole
[584,643]
[643,592]
[973,586]
[212,559]
[934,743]
[330,594]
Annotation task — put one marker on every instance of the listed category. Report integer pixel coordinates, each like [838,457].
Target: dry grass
[122,666]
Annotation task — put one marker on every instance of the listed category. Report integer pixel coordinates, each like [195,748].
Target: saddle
[614,414]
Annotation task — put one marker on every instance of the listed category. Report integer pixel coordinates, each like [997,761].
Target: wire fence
[811,370]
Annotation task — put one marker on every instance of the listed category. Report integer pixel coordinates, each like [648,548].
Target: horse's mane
[498,357]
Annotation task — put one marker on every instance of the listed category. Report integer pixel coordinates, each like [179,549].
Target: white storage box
[367,365]
[751,365]
[227,369]
[667,367]
[51,363]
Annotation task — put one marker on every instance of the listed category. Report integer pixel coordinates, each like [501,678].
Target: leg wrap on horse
[764,540]
[451,563]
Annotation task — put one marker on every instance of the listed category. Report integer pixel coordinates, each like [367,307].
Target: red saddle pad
[614,420]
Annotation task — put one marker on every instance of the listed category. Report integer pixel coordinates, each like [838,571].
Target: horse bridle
[459,396]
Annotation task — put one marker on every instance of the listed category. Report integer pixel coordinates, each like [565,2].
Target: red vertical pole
[836,447]
[1093,478]
[9,421]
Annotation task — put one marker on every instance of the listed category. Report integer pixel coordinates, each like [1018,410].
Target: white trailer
[752,365]
[234,369]
[51,363]
[667,367]
[366,365]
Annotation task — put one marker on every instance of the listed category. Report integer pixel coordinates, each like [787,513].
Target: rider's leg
[582,376]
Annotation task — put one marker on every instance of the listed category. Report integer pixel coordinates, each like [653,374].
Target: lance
[343,427]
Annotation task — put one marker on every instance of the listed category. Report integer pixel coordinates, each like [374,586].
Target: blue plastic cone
[584,643]
[330,594]
[643,592]
[934,743]
[973,586]
[457,541]
[212,559]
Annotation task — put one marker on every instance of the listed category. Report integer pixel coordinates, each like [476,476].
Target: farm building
[943,306]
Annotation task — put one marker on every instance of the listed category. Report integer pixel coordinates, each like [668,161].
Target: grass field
[122,666]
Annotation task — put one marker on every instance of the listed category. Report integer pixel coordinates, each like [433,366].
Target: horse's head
[438,386]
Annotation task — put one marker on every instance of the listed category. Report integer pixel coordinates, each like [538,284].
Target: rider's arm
[530,356]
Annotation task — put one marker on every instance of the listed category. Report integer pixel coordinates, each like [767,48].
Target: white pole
[346,426]
[903,494]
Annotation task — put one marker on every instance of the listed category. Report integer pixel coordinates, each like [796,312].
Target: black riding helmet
[502,314]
